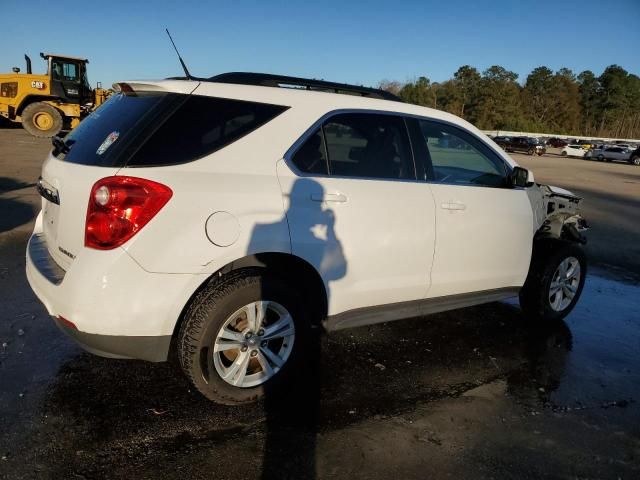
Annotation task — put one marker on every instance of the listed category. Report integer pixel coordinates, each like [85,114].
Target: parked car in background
[527,145]
[586,144]
[573,150]
[557,142]
[610,153]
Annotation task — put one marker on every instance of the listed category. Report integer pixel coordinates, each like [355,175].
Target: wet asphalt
[474,393]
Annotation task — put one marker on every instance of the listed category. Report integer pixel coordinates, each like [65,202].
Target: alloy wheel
[253,344]
[564,284]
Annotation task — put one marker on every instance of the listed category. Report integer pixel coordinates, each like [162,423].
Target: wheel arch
[284,265]
[29,99]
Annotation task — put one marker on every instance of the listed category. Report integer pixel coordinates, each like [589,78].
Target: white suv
[234,215]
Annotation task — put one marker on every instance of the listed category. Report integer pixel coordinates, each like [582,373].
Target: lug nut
[254,353]
[261,332]
[248,335]
[244,348]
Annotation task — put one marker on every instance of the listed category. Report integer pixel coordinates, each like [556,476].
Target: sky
[345,41]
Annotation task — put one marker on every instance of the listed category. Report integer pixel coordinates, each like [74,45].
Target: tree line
[554,102]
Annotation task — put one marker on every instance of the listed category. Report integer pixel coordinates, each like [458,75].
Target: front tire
[243,336]
[41,120]
[555,281]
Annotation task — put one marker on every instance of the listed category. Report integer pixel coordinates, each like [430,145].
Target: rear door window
[369,146]
[311,157]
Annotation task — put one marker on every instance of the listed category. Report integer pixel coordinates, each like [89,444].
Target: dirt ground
[474,393]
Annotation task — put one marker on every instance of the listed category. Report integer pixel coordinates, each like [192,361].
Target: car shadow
[13,213]
[124,413]
[8,184]
[291,415]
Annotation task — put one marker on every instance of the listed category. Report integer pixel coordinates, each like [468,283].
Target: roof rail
[270,80]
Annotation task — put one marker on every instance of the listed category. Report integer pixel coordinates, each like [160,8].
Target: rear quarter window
[202,125]
[162,129]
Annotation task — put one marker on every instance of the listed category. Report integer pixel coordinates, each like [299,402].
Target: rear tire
[555,281]
[41,120]
[531,151]
[207,339]
[600,158]
[564,154]
[636,160]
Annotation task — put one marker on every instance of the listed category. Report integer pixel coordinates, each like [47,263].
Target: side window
[460,158]
[200,126]
[65,71]
[70,72]
[311,157]
[368,145]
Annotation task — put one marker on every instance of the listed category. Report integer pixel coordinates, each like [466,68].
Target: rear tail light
[119,207]
[68,323]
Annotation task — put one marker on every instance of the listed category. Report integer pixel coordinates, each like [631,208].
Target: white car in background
[234,218]
[573,150]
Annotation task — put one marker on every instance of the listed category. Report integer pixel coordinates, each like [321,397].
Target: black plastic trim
[270,80]
[415,308]
[150,348]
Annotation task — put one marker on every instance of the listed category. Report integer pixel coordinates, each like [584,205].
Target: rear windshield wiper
[60,146]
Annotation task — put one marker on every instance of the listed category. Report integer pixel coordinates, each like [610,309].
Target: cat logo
[38,84]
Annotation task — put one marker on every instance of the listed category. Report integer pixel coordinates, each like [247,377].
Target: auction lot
[475,393]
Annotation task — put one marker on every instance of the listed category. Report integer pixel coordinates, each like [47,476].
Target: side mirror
[520,177]
[15,70]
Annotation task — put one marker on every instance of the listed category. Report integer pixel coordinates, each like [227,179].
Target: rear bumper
[120,310]
[153,349]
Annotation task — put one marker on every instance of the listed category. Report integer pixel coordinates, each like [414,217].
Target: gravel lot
[475,393]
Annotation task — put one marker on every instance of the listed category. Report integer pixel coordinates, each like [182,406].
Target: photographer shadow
[292,415]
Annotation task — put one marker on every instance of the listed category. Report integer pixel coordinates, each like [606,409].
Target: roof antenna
[184,67]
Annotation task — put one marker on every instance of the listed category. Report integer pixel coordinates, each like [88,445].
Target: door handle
[453,206]
[329,197]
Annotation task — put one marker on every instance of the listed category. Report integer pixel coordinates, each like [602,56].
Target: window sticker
[112,137]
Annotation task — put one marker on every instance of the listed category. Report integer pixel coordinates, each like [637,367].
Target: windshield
[101,138]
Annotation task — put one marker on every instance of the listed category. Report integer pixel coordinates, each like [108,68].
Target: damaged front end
[557,215]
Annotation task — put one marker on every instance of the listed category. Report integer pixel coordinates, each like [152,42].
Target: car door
[356,211]
[616,153]
[484,227]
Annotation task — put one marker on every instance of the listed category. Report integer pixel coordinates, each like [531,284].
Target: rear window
[158,129]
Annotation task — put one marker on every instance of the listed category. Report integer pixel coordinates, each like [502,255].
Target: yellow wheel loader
[46,104]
